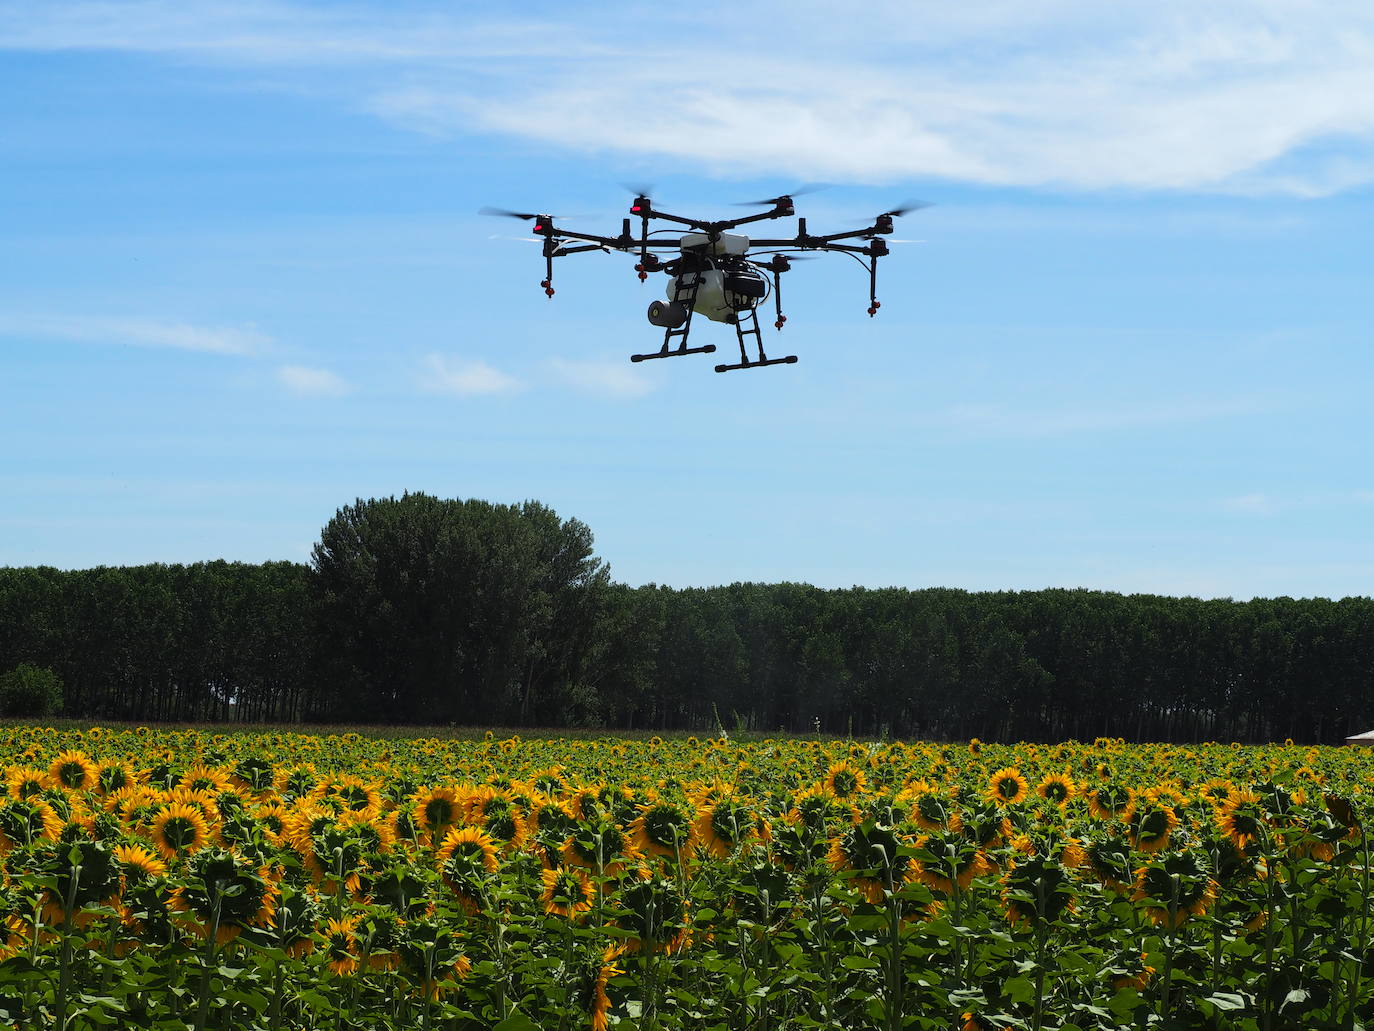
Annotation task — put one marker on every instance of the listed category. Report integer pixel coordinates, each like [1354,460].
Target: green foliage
[30,692]
[436,612]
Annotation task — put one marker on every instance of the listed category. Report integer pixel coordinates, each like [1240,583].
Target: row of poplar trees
[421,610]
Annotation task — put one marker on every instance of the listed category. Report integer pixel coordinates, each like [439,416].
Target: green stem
[64,962]
[822,940]
[1170,939]
[203,1008]
[894,957]
[274,1010]
[1040,933]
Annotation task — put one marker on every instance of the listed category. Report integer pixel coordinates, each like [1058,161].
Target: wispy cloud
[603,378]
[305,381]
[466,377]
[1004,420]
[1234,95]
[178,336]
[1269,503]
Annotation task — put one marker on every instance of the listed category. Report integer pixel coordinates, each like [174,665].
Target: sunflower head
[567,892]
[655,911]
[138,863]
[1173,887]
[844,780]
[1007,787]
[664,828]
[178,830]
[73,771]
[1058,789]
[1036,891]
[341,944]
[1243,818]
[1151,827]
[84,872]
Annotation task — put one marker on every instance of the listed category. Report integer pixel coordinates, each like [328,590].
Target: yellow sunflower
[1151,827]
[664,828]
[341,945]
[179,830]
[1007,787]
[567,892]
[844,780]
[470,843]
[209,779]
[436,810]
[24,781]
[1058,789]
[1178,884]
[74,771]
[1111,802]
[138,863]
[600,1005]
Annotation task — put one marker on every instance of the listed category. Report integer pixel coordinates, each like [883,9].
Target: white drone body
[726,284]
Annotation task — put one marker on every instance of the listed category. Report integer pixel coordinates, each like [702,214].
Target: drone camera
[667,314]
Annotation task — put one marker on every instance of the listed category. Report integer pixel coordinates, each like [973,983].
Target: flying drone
[713,272]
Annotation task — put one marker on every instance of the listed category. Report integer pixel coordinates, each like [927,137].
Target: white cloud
[1000,420]
[1265,503]
[179,336]
[307,382]
[1234,95]
[445,375]
[615,379]
[1256,502]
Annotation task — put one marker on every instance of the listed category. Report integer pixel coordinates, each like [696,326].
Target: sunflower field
[193,879]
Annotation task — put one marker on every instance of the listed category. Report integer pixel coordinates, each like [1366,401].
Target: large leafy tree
[436,610]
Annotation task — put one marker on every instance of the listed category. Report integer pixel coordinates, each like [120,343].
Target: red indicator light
[538,229]
[634,209]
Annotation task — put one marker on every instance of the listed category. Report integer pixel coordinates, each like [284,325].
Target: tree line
[422,610]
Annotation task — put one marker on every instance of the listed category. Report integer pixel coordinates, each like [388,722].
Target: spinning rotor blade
[508,214]
[524,215]
[907,208]
[773,202]
[639,189]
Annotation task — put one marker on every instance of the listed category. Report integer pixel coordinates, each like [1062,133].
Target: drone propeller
[773,202]
[508,214]
[559,243]
[908,207]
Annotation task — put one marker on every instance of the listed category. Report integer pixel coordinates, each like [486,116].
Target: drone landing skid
[747,325]
[673,353]
[758,363]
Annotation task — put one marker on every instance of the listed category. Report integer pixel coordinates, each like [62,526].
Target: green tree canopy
[30,691]
[434,610]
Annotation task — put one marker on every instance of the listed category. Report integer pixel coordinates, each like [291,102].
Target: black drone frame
[556,245]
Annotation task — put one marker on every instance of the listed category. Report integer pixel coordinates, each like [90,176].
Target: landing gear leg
[687,300]
[747,325]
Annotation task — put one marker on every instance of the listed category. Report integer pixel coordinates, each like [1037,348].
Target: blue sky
[243,281]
